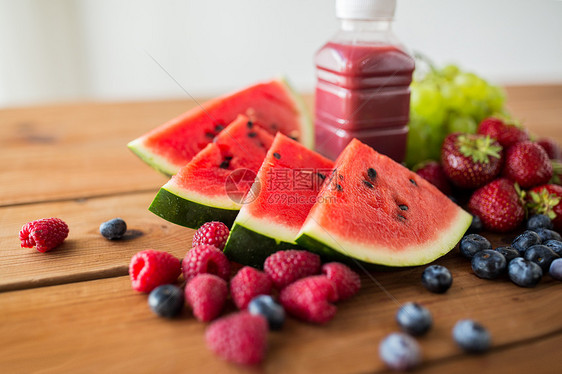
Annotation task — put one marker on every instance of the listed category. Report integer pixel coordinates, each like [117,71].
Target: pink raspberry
[346,280]
[206,295]
[247,284]
[205,258]
[285,267]
[240,338]
[212,233]
[149,269]
[310,299]
[44,234]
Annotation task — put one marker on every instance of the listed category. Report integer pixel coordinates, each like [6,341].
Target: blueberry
[414,319]
[471,336]
[524,273]
[476,225]
[472,243]
[267,307]
[508,252]
[437,278]
[539,221]
[555,245]
[541,255]
[546,235]
[167,300]
[525,240]
[400,351]
[488,264]
[113,229]
[556,269]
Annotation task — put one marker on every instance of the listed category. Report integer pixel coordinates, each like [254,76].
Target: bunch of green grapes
[443,101]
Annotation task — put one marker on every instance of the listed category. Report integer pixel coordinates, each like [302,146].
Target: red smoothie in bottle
[363,84]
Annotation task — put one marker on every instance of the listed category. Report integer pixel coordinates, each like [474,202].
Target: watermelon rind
[186,208]
[247,247]
[155,161]
[315,238]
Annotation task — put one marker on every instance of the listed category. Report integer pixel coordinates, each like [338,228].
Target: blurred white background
[65,50]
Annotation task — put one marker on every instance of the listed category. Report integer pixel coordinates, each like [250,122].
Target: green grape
[459,123]
[426,101]
[450,71]
[447,100]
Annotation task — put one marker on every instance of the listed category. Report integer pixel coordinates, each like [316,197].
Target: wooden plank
[104,326]
[85,254]
[537,356]
[72,151]
[79,150]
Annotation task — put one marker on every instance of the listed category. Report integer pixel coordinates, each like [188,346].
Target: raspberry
[247,284]
[240,338]
[285,267]
[212,233]
[206,295]
[309,299]
[149,269]
[347,281]
[205,258]
[44,234]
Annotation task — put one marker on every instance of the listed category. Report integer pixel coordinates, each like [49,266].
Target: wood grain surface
[72,310]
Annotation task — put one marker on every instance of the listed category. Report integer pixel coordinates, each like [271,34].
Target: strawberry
[432,172]
[504,131]
[471,161]
[547,199]
[552,148]
[527,164]
[499,205]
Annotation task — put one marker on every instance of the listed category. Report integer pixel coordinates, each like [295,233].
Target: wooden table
[73,310]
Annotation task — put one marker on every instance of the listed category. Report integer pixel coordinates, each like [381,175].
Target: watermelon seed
[368,184]
[276,155]
[339,187]
[295,138]
[250,124]
[228,158]
[413,182]
[401,217]
[322,176]
[340,176]
[274,126]
[252,134]
[219,128]
[403,207]
[225,164]
[209,134]
[372,173]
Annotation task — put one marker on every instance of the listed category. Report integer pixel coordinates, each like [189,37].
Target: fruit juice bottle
[363,83]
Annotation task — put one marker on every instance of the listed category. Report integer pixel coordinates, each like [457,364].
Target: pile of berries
[533,253]
[505,174]
[292,281]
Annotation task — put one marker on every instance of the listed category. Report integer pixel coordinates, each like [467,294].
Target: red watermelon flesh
[217,178]
[375,210]
[290,179]
[273,104]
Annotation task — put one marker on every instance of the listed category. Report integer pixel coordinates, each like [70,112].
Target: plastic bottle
[363,82]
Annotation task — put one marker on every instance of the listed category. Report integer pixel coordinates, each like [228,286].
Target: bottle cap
[365,9]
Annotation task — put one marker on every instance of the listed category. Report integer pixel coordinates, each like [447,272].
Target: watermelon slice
[213,185]
[377,211]
[273,104]
[288,182]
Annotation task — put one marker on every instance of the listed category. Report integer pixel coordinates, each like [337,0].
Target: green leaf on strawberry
[479,148]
